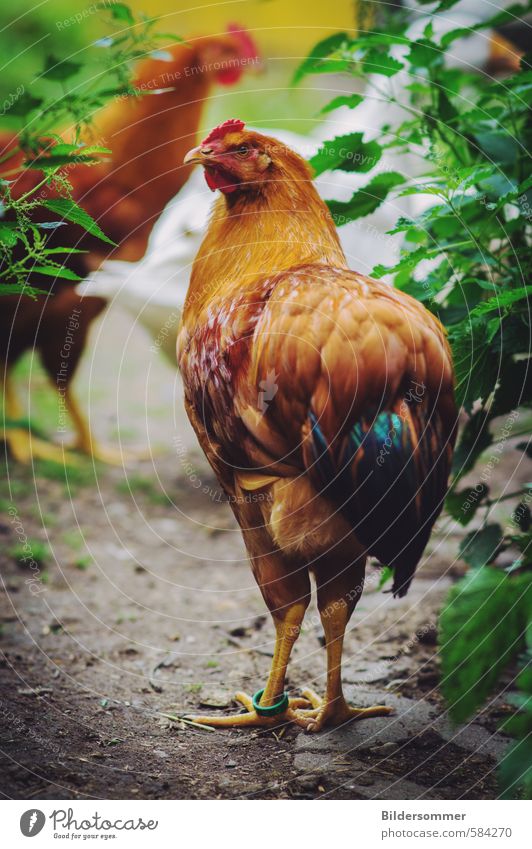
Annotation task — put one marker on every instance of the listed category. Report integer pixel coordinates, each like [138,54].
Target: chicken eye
[243,150]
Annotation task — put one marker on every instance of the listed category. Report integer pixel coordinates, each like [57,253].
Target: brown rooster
[322,399]
[125,194]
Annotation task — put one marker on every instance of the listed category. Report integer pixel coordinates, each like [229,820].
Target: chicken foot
[287,632]
[333,710]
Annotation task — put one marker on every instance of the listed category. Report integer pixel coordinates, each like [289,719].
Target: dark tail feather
[389,478]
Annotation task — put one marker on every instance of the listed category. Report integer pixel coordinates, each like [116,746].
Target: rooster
[322,399]
[125,195]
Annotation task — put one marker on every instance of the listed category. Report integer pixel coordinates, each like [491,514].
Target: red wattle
[216,179]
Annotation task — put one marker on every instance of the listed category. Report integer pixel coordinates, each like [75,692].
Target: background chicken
[322,399]
[147,136]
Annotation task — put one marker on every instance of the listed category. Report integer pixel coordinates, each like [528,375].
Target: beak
[194,155]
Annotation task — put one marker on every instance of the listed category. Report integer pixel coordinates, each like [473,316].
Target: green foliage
[482,627]
[31,551]
[474,136]
[67,92]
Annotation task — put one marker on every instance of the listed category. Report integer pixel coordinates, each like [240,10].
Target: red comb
[248,46]
[233,125]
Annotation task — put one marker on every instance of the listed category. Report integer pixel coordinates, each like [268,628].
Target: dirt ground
[141,608]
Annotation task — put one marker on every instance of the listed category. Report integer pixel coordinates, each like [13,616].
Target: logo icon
[32,822]
[268,391]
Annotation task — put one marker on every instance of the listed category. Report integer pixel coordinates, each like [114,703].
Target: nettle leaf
[482,627]
[474,439]
[523,517]
[463,504]
[444,5]
[514,386]
[72,212]
[55,271]
[377,62]
[366,200]
[448,38]
[499,147]
[121,12]
[476,364]
[515,770]
[424,53]
[21,289]
[502,300]
[408,262]
[8,234]
[350,100]
[59,69]
[347,153]
[481,547]
[315,62]
[23,104]
[54,160]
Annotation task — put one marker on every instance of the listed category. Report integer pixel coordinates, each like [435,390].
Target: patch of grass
[212,664]
[74,539]
[33,549]
[79,475]
[193,688]
[140,485]
[125,617]
[83,562]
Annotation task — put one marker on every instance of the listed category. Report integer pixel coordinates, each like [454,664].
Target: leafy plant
[35,164]
[467,256]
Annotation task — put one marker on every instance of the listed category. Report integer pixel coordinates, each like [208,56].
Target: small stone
[307,783]
[363,781]
[230,764]
[384,749]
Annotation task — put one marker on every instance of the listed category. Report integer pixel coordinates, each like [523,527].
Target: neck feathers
[254,234]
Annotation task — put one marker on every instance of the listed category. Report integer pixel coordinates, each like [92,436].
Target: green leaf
[377,62]
[8,234]
[448,38]
[59,69]
[482,627]
[424,53]
[503,300]
[463,504]
[385,576]
[499,147]
[346,153]
[21,289]
[121,12]
[474,440]
[53,161]
[481,547]
[366,200]
[55,271]
[515,770]
[314,63]
[23,105]
[444,5]
[70,210]
[351,100]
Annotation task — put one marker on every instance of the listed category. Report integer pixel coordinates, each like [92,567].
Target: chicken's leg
[22,444]
[337,598]
[287,631]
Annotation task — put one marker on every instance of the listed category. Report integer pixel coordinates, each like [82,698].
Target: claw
[251,719]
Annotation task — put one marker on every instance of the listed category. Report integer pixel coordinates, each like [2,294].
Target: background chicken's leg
[22,444]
